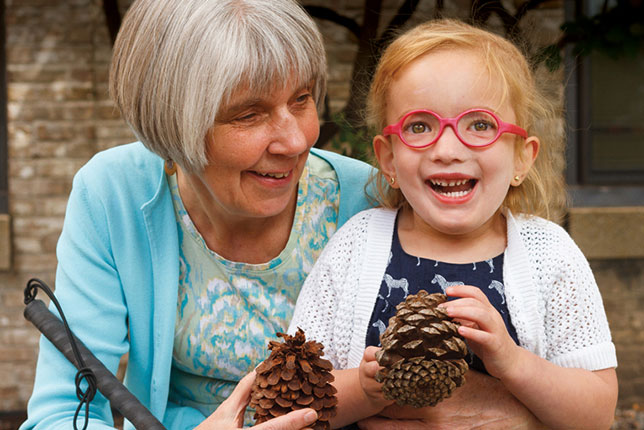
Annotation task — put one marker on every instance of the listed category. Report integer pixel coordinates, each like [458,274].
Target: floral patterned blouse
[228,311]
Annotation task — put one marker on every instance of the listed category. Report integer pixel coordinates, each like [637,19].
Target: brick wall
[59,116]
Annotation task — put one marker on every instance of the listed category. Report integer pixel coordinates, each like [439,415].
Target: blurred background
[55,114]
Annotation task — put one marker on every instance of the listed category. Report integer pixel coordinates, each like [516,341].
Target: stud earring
[170,167]
[517,178]
[393,180]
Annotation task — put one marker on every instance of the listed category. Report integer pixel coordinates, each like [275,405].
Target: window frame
[588,188]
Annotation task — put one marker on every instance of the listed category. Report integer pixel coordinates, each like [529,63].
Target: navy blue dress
[407,274]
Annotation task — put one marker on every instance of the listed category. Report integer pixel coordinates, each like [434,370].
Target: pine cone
[294,376]
[422,353]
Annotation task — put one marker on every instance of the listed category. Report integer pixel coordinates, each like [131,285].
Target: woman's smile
[258,154]
[275,179]
[274,175]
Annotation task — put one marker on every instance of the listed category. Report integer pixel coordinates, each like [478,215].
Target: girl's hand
[367,372]
[483,328]
[230,414]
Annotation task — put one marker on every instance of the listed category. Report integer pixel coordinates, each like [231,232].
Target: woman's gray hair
[176,62]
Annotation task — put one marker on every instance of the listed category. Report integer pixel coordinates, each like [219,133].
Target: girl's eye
[418,127]
[482,125]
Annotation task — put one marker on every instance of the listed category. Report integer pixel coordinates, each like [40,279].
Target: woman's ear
[527,154]
[382,148]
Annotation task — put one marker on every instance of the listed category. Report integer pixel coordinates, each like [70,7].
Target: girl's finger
[466,291]
[483,317]
[370,353]
[461,302]
[466,323]
[474,335]
[370,369]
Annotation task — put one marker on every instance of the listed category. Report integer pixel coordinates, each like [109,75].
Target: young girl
[464,199]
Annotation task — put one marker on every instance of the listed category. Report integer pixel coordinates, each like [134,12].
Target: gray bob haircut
[176,62]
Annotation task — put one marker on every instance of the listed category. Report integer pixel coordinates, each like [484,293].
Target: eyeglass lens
[475,128]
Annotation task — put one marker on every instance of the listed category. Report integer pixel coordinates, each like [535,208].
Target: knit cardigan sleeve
[337,298]
[574,330]
[323,308]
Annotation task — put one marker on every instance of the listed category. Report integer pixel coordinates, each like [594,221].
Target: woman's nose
[288,135]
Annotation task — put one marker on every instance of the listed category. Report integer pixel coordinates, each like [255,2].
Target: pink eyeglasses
[475,128]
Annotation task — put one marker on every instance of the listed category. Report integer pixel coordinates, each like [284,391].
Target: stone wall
[59,116]
[621,282]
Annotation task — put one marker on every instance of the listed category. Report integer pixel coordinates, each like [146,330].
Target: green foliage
[350,141]
[617,32]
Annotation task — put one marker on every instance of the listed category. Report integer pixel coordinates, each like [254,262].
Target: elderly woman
[187,250]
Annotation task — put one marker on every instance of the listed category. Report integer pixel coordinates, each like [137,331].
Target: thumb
[370,353]
[232,409]
[295,420]
[370,369]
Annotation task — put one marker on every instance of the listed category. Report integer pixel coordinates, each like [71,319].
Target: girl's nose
[448,148]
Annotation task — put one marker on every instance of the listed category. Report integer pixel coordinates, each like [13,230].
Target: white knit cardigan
[552,297]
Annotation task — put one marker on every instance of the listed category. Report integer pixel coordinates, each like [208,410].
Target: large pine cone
[294,376]
[422,353]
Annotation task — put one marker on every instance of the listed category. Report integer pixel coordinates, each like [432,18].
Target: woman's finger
[378,423]
[241,394]
[296,420]
[232,409]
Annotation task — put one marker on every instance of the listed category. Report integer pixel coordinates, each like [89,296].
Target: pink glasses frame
[504,127]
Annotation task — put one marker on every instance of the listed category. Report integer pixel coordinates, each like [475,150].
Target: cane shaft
[120,397]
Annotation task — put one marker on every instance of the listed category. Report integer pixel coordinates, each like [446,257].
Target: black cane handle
[119,396]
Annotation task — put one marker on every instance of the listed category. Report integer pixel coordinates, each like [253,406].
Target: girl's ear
[383,150]
[525,158]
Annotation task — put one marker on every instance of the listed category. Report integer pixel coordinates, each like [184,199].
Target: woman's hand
[230,414]
[483,328]
[482,403]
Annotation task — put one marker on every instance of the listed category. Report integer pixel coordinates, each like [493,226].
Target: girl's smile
[455,189]
[452,188]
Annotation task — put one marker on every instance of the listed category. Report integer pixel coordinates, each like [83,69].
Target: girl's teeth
[452,188]
[455,193]
[444,183]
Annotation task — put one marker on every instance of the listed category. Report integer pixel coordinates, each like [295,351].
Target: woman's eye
[246,117]
[303,98]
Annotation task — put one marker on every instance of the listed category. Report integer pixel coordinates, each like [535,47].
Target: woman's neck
[252,240]
[419,239]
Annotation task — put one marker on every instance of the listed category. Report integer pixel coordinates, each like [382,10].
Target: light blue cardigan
[117,281]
